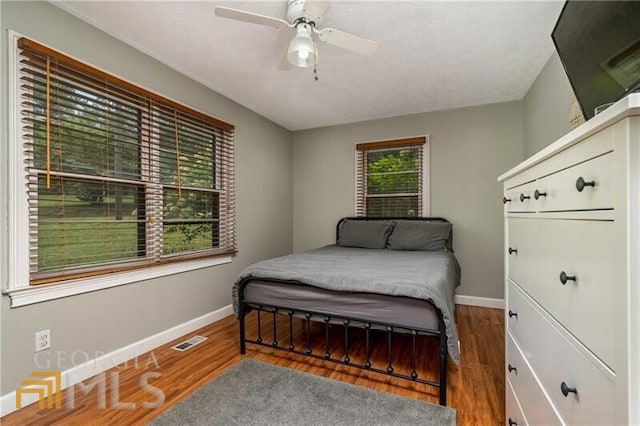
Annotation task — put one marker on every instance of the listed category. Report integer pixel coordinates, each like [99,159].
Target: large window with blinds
[390,178]
[117,177]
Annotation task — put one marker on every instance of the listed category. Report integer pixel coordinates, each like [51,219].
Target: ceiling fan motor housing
[296,11]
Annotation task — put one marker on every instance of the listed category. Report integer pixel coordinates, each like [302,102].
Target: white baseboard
[485,302]
[105,362]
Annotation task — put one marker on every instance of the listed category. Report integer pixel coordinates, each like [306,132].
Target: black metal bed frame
[346,322]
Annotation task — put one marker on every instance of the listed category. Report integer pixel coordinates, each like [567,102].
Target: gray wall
[470,147]
[547,107]
[109,319]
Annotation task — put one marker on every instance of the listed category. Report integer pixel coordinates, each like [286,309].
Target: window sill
[27,295]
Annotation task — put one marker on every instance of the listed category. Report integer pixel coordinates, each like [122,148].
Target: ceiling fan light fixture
[302,52]
[304,16]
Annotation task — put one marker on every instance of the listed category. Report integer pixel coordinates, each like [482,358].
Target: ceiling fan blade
[348,41]
[252,18]
[282,45]
[316,8]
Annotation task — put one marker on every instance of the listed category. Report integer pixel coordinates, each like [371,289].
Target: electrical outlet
[43,340]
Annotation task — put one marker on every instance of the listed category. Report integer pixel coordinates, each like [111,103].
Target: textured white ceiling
[433,55]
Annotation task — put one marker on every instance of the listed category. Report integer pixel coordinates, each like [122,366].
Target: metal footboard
[288,314]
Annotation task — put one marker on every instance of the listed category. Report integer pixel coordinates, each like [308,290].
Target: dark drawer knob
[512,422]
[511,368]
[524,197]
[539,194]
[564,278]
[512,250]
[512,314]
[506,200]
[581,183]
[566,390]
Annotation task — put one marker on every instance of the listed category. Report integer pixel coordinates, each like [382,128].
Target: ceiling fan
[300,30]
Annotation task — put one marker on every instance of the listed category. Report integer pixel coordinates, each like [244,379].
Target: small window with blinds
[390,178]
[118,177]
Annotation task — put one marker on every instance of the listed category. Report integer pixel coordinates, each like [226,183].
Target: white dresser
[572,276]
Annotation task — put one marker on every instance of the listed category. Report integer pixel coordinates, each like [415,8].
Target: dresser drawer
[520,198]
[584,252]
[555,358]
[519,249]
[515,417]
[570,189]
[536,407]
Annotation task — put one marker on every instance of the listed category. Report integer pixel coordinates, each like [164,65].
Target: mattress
[403,311]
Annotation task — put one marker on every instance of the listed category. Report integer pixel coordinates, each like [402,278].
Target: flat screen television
[599,45]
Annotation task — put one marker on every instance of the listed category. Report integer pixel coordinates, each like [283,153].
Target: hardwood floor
[475,388]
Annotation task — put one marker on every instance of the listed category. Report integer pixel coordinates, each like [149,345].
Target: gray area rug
[255,393]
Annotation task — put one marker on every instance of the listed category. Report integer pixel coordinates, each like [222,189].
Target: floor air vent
[188,344]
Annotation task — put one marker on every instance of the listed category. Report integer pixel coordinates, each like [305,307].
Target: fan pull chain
[315,60]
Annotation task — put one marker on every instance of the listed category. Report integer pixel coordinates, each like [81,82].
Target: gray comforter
[430,276]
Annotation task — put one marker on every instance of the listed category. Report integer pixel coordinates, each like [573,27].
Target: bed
[395,275]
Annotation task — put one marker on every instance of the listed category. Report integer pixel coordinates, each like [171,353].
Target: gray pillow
[419,235]
[364,233]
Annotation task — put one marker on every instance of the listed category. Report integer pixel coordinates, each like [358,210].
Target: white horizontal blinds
[86,191]
[118,177]
[361,182]
[390,178]
[190,163]
[194,157]
[225,173]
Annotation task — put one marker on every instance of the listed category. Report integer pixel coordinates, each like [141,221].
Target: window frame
[19,288]
[426,168]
